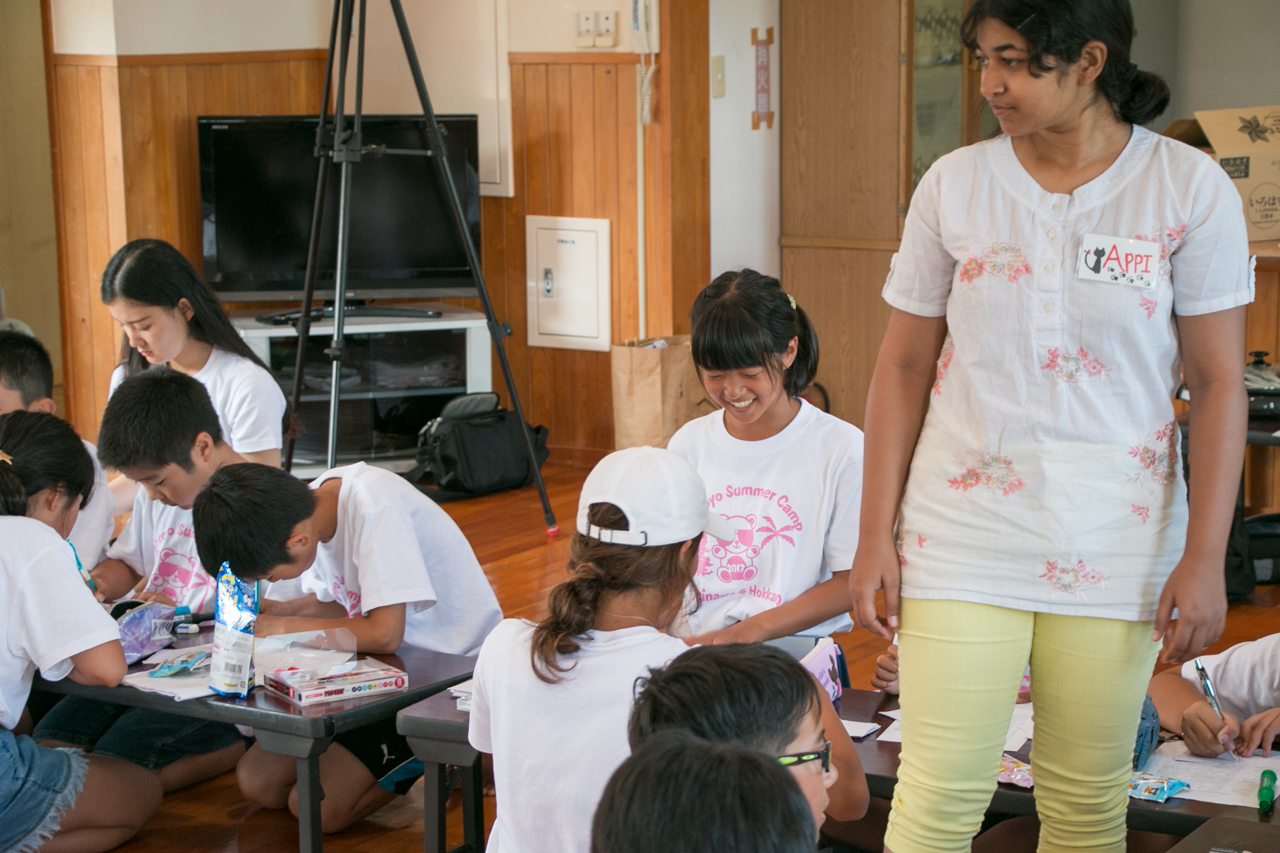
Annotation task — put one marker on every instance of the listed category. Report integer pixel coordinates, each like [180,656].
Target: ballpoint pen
[1206,686]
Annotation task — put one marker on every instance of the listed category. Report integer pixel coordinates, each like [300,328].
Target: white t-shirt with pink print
[794,499]
[158,543]
[394,545]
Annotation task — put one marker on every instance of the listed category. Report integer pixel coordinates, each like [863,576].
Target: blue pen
[84,573]
[1206,686]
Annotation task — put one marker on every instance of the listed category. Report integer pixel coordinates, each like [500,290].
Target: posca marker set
[362,678]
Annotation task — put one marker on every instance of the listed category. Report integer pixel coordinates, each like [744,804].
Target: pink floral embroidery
[944,361]
[920,540]
[1148,304]
[1006,259]
[900,544]
[990,470]
[1067,579]
[1175,236]
[999,259]
[1142,512]
[1071,368]
[1158,457]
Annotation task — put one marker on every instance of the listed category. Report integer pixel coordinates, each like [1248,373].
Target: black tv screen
[257,190]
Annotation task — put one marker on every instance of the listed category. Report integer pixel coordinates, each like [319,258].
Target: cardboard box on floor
[655,391]
[1246,143]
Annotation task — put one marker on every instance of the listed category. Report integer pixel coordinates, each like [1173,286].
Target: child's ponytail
[598,568]
[39,451]
[745,319]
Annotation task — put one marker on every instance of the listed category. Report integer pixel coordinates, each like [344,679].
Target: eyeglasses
[803,757]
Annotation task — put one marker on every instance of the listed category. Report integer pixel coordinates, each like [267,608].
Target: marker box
[366,678]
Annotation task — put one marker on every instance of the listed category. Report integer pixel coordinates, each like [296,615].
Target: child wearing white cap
[551,700]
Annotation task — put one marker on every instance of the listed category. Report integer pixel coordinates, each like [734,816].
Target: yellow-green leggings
[960,667]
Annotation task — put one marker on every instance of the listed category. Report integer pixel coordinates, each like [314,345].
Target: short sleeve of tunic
[920,273]
[1210,269]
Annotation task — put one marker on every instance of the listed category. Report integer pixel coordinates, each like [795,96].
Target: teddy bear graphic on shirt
[735,560]
[175,574]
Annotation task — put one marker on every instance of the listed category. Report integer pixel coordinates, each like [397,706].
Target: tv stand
[291,318]
[399,372]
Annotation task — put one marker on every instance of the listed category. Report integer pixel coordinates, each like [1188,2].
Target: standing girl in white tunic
[171,316]
[1024,494]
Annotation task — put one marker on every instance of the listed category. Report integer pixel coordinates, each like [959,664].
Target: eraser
[186,628]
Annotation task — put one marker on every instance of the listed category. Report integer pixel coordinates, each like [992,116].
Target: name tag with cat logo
[1119,260]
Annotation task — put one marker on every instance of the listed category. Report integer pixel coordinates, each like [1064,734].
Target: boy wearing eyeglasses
[761,697]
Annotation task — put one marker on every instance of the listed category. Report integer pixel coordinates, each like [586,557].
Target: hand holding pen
[1206,728]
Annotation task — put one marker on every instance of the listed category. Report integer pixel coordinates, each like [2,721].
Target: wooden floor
[509,536]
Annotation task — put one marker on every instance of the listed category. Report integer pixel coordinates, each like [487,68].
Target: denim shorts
[152,739]
[36,786]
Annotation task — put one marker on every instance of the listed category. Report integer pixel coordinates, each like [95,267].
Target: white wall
[551,25]
[1226,55]
[746,206]
[1215,54]
[84,27]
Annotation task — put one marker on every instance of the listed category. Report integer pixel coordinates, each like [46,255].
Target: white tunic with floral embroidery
[1047,475]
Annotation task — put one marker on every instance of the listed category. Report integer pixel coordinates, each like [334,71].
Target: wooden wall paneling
[514,210]
[840,291]
[560,175]
[687,62]
[73,264]
[582,138]
[604,143]
[627,308]
[840,122]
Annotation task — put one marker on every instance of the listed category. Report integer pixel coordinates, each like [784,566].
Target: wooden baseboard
[575,457]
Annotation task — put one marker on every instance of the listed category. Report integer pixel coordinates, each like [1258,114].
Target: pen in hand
[1206,687]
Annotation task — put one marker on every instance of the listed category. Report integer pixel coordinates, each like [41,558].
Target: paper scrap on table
[1020,729]
[858,729]
[463,689]
[166,655]
[180,687]
[1229,783]
[895,714]
[893,734]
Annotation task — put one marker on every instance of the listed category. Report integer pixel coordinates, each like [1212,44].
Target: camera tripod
[342,142]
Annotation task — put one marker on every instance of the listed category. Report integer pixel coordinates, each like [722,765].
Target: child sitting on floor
[375,556]
[759,696]
[1246,678]
[682,794]
[551,700]
[56,800]
[160,430]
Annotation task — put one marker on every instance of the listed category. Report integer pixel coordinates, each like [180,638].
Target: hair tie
[793,301]
[6,458]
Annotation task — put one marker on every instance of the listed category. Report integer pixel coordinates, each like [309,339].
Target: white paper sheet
[893,734]
[1231,783]
[893,715]
[179,687]
[1020,728]
[857,729]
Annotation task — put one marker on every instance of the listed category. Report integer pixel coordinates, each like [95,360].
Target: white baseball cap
[663,498]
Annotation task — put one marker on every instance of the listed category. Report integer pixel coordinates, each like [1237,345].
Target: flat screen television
[257,190]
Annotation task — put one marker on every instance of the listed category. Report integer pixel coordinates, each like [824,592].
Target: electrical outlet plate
[586,36]
[606,23]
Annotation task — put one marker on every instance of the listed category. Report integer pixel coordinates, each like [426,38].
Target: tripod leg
[313,249]
[496,330]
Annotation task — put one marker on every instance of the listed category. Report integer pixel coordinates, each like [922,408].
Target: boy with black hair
[26,384]
[375,556]
[160,429]
[762,697]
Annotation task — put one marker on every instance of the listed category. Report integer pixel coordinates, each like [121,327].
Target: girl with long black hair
[171,316]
